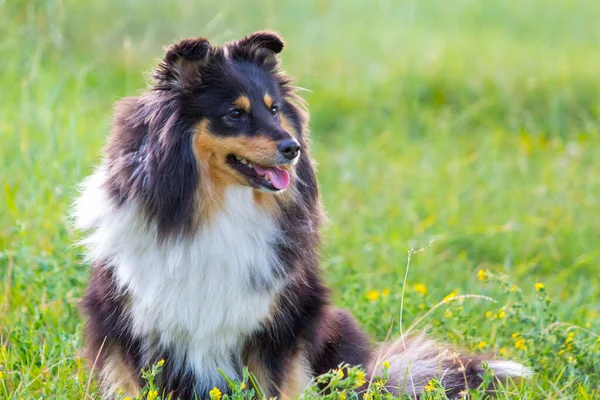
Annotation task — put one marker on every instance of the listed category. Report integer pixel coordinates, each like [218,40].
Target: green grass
[469,129]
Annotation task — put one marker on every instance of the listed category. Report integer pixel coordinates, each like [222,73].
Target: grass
[466,129]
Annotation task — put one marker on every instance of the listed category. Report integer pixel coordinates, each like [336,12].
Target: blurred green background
[468,128]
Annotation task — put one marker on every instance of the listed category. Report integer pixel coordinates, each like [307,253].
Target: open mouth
[270,178]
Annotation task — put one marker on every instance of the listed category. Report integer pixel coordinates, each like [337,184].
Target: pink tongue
[279,177]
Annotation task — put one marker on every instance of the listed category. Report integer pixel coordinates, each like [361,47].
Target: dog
[202,231]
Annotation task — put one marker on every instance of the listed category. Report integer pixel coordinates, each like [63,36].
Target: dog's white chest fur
[200,296]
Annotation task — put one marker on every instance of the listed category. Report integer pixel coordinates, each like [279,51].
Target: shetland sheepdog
[202,231]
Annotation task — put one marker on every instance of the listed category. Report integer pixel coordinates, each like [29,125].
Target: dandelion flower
[340,374]
[520,344]
[385,292]
[513,288]
[539,286]
[342,396]
[360,378]
[1,374]
[430,386]
[161,363]
[515,335]
[153,394]
[420,288]
[242,386]
[501,314]
[215,394]
[386,364]
[481,275]
[489,314]
[569,339]
[448,313]
[452,295]
[502,351]
[127,398]
[481,345]
[373,295]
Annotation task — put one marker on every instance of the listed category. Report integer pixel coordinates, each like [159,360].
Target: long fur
[198,264]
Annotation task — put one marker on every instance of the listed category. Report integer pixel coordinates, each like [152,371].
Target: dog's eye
[235,114]
[274,110]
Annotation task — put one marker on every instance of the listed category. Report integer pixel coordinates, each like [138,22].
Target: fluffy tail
[416,360]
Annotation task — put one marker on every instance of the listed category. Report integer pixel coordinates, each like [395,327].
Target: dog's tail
[415,360]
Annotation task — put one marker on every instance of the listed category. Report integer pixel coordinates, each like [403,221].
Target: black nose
[289,148]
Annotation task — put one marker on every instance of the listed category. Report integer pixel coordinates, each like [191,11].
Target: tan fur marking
[257,368]
[116,375]
[268,100]
[243,102]
[287,125]
[297,376]
[211,152]
[268,201]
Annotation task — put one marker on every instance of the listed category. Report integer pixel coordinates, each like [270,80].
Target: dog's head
[215,116]
[237,106]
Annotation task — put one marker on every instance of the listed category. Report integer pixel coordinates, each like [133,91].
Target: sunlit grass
[469,129]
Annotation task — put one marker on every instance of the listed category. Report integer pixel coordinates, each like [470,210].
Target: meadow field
[464,134]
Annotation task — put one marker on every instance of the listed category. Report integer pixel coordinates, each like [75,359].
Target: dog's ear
[258,47]
[182,63]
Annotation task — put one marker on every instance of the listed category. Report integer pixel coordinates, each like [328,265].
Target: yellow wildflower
[242,386]
[386,364]
[127,398]
[571,359]
[421,306]
[360,378]
[598,340]
[513,288]
[1,374]
[588,325]
[539,286]
[481,345]
[501,314]
[448,313]
[561,352]
[340,374]
[569,339]
[502,351]
[153,394]
[161,363]
[342,396]
[520,344]
[452,295]
[515,335]
[385,292]
[215,394]
[430,386]
[489,314]
[481,275]
[420,288]
[373,295]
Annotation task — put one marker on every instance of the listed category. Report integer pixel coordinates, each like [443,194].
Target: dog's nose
[289,148]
